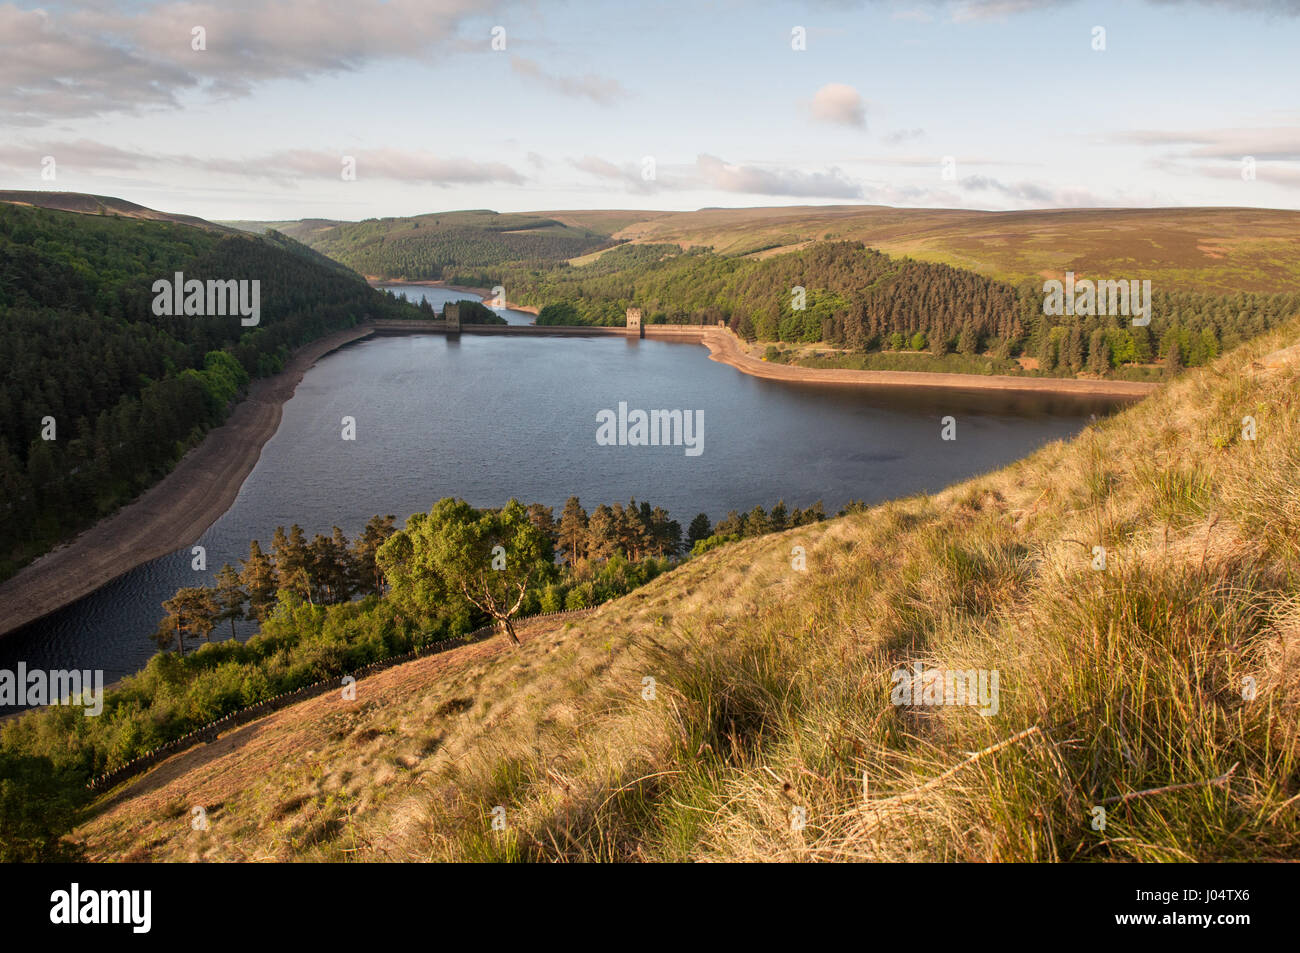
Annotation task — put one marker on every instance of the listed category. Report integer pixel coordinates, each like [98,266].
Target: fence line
[209,732]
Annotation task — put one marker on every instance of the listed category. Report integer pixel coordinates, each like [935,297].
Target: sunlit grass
[1163,688]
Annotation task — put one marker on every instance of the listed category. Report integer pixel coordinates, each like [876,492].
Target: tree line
[325,571]
[581,556]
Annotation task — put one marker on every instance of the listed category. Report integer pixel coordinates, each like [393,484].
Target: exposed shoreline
[178,509]
[171,514]
[725,348]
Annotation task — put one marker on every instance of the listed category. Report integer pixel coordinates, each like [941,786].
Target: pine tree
[622,530]
[293,560]
[370,577]
[730,525]
[640,525]
[1098,352]
[667,533]
[260,581]
[602,537]
[330,567]
[192,610]
[543,517]
[968,343]
[230,597]
[1141,344]
[1173,358]
[573,531]
[699,529]
[1210,343]
[1074,349]
[346,580]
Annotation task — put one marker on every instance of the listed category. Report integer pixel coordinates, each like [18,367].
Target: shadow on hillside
[182,763]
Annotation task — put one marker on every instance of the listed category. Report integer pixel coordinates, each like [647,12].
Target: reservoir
[489,418]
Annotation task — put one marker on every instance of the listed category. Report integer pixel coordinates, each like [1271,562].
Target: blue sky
[256,125]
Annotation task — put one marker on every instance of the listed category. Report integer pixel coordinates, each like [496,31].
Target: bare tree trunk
[510,630]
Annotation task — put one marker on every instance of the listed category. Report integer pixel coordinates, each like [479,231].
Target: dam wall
[679,332]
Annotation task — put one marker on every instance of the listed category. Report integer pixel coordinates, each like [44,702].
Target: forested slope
[858,298]
[122,391]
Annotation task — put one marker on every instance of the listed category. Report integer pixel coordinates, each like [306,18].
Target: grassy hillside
[1123,687]
[1217,250]
[1209,250]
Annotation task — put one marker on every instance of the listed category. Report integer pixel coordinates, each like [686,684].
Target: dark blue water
[487,418]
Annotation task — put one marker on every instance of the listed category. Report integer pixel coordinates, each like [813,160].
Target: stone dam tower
[634,321]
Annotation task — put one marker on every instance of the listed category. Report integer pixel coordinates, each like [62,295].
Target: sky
[291,109]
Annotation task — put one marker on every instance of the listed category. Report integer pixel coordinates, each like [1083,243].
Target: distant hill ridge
[1211,250]
[107,205]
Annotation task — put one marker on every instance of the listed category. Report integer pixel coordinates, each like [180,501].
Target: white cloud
[599,167]
[839,103]
[286,166]
[627,175]
[1035,195]
[756,180]
[903,135]
[1270,173]
[1219,153]
[1277,142]
[712,173]
[599,89]
[962,11]
[95,60]
[965,10]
